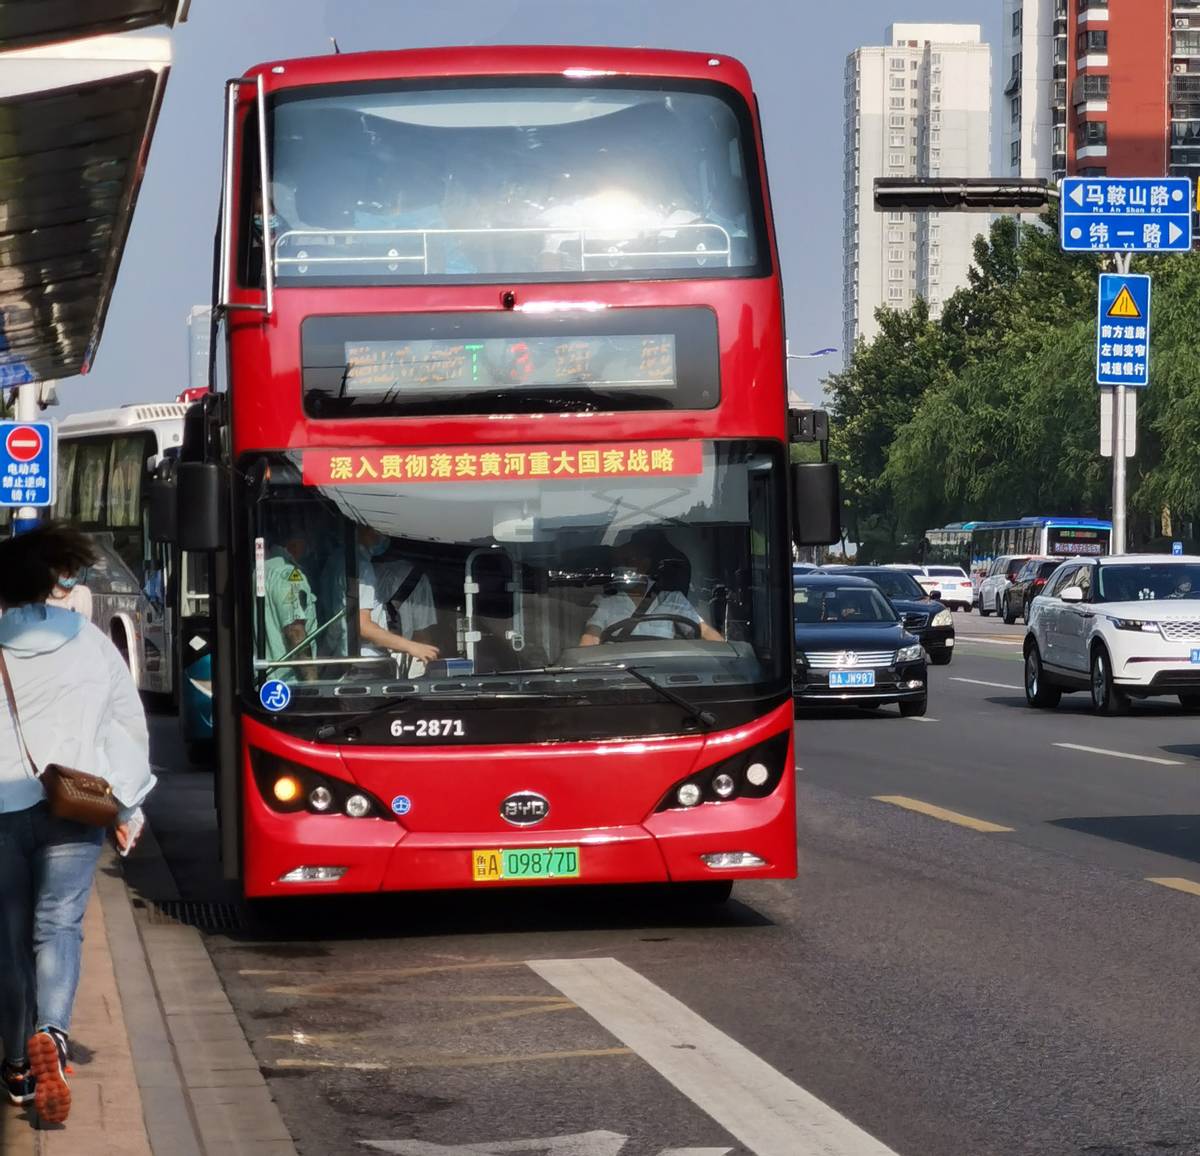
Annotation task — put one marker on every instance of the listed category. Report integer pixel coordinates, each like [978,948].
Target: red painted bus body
[664,373]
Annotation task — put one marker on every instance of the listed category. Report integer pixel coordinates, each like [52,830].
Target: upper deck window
[478,181]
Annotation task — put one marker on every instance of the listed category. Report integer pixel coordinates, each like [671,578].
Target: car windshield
[845,604]
[894,583]
[1147,582]
[454,570]
[567,180]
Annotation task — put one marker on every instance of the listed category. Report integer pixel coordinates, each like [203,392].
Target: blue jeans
[46,870]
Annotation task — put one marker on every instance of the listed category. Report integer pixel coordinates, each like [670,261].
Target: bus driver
[645,553]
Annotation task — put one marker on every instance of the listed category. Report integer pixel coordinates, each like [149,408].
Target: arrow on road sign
[1076,194]
[1174,232]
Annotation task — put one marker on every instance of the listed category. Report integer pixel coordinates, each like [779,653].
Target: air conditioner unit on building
[1183,22]
[1179,69]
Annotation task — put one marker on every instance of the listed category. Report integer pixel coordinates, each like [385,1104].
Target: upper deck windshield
[388,183]
[504,585]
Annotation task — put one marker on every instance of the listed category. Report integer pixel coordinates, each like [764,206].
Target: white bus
[105,462]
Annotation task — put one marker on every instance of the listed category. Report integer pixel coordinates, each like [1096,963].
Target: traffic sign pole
[1118,480]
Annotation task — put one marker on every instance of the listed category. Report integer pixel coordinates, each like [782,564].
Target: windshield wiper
[705,718]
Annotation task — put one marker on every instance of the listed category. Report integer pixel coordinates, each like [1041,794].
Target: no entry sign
[26,463]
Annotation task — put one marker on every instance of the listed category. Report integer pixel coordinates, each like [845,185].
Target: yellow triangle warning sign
[1124,305]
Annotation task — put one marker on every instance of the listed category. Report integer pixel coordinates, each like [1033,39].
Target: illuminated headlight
[909,653]
[943,618]
[1134,624]
[313,875]
[320,798]
[291,788]
[723,785]
[358,806]
[750,774]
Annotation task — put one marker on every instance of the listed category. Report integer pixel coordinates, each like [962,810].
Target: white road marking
[994,685]
[761,1108]
[598,1143]
[923,718]
[961,638]
[1121,755]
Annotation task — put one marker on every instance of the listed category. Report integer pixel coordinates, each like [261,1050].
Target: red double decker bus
[497,488]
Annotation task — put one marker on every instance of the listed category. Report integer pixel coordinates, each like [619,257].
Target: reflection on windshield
[575,181]
[384,583]
[845,604]
[1145,583]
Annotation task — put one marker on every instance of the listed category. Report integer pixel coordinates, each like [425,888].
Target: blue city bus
[973,545]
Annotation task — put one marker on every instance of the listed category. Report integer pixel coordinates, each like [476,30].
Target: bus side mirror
[816,504]
[164,511]
[199,521]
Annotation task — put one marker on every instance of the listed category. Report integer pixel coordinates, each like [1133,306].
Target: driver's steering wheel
[620,631]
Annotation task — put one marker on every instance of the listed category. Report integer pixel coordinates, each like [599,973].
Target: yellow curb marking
[1188,885]
[941,813]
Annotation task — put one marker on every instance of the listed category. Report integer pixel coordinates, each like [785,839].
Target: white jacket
[78,705]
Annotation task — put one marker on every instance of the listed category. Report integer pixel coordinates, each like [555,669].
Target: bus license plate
[851,678]
[498,864]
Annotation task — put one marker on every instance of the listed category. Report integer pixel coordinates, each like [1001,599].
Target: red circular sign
[23,443]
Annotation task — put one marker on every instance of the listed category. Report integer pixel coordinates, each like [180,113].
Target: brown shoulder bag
[70,794]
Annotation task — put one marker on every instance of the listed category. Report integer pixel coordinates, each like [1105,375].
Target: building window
[1014,152]
[1092,40]
[1094,172]
[895,293]
[895,273]
[935,117]
[896,140]
[896,64]
[896,236]
[1014,106]
[897,102]
[1092,132]
[896,218]
[896,160]
[1016,24]
[895,254]
[898,83]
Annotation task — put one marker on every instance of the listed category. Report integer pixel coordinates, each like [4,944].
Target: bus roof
[1041,520]
[570,61]
[102,421]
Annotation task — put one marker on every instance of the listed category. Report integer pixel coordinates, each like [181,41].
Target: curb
[202,1091]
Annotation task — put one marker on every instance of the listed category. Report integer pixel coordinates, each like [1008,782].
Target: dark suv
[1026,586]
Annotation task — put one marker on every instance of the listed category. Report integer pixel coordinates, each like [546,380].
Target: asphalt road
[981,964]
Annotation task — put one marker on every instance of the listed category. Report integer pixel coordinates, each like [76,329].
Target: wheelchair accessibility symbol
[274,695]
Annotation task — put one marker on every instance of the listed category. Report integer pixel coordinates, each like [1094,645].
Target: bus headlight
[751,774]
[291,788]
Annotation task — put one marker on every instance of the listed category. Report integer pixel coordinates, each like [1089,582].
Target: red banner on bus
[517,463]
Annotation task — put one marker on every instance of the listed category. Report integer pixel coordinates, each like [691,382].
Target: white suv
[1122,627]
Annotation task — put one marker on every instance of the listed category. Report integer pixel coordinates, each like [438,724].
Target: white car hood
[1153,610]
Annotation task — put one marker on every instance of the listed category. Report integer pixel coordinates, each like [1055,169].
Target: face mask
[67,583]
[380,547]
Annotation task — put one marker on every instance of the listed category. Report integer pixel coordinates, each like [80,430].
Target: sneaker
[48,1062]
[18,1082]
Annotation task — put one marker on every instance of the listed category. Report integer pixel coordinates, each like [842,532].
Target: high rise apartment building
[1101,87]
[918,106]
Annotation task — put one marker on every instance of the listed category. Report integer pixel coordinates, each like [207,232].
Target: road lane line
[1188,885]
[766,1112]
[936,812]
[923,718]
[961,638]
[451,1061]
[1121,755]
[995,685]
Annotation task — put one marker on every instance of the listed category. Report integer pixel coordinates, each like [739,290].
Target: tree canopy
[992,410]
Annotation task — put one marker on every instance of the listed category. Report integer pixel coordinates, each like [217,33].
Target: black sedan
[852,648]
[930,621]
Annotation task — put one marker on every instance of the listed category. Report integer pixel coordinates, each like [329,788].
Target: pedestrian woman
[71,594]
[76,707]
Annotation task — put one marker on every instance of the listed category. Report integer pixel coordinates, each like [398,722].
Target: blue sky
[795,50]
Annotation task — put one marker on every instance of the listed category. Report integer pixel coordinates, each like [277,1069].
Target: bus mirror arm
[815,503]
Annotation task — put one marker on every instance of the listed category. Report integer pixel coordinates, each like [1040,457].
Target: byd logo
[524,808]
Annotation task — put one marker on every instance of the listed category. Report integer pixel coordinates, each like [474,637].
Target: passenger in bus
[655,584]
[290,611]
[396,583]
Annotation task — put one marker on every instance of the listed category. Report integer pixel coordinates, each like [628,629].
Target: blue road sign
[1123,330]
[1177,548]
[26,463]
[1115,214]
[275,695]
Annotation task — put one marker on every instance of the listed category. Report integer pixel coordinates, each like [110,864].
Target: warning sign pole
[1124,260]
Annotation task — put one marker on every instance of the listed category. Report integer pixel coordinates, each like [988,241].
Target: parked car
[852,648]
[949,585]
[1001,574]
[928,619]
[1027,585]
[1121,627]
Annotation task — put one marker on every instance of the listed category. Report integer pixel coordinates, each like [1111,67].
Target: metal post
[1123,261]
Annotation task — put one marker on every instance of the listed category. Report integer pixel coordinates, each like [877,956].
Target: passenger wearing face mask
[379,582]
[71,594]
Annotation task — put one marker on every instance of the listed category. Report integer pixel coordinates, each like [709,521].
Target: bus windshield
[562,180]
[460,571]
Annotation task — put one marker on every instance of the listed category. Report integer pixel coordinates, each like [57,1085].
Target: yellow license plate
[494,865]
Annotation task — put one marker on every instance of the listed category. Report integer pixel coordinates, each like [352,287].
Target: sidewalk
[161,1065]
